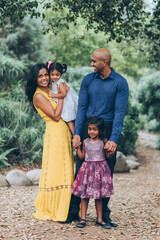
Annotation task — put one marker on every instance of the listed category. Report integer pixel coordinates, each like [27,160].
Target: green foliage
[129,136]
[149,95]
[151,37]
[16,10]
[11,70]
[3,158]
[158,143]
[21,46]
[118,18]
[75,76]
[152,125]
[21,128]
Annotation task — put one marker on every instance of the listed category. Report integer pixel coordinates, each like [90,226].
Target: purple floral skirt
[93,181]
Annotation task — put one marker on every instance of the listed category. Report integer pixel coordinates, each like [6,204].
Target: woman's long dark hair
[99,122]
[32,80]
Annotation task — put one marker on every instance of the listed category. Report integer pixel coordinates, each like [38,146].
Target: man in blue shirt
[103,93]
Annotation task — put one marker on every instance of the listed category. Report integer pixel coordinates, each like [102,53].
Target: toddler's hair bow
[49,63]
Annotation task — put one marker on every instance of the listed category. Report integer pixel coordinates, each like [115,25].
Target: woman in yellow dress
[53,199]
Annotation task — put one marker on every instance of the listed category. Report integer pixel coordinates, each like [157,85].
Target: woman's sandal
[103,225]
[82,223]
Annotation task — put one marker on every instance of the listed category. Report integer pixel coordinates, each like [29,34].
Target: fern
[3,158]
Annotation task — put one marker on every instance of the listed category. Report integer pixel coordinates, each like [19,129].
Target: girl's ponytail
[64,67]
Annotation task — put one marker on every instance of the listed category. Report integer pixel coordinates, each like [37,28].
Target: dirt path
[135,207]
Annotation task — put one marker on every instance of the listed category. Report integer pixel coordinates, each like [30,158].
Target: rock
[34,175]
[131,157]
[121,164]
[4,182]
[18,178]
[132,164]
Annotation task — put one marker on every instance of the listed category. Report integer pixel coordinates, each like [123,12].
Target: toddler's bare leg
[71,127]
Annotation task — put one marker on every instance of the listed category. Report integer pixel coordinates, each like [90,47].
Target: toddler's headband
[49,63]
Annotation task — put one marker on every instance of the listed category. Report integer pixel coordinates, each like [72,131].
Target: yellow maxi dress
[53,199]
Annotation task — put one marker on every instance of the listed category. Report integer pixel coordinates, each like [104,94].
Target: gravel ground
[135,207]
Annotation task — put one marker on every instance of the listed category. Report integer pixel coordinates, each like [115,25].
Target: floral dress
[94,177]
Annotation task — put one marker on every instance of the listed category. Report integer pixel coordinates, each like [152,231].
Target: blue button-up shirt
[106,98]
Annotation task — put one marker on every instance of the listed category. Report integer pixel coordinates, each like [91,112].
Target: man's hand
[110,147]
[76,141]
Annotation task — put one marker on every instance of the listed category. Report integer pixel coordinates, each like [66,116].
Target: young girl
[56,71]
[94,177]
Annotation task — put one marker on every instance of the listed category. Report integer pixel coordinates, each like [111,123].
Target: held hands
[110,147]
[76,141]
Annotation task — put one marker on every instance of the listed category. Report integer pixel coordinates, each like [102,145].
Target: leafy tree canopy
[118,19]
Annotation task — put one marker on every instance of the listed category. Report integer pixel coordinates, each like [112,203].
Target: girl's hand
[105,140]
[66,86]
[58,89]
[59,92]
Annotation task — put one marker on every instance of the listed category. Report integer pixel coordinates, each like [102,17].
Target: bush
[129,136]
[149,96]
[158,143]
[74,76]
[19,128]
[152,125]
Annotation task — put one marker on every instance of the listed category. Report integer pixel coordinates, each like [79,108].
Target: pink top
[94,151]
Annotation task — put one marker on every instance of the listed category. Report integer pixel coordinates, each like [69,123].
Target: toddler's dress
[94,177]
[70,101]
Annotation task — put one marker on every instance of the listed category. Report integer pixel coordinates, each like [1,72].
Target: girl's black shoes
[82,223]
[103,225]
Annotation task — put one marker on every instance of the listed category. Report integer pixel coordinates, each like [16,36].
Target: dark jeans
[75,201]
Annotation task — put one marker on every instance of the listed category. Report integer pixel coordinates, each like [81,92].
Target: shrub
[74,76]
[128,137]
[149,96]
[19,128]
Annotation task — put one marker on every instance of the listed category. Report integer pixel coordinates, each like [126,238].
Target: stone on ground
[3,182]
[132,164]
[121,164]
[131,157]
[18,178]
[34,175]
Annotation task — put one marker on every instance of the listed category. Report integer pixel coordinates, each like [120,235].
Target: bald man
[103,93]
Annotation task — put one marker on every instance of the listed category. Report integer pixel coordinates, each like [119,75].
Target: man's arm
[81,112]
[83,103]
[121,101]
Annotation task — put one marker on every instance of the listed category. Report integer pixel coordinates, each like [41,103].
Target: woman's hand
[51,94]
[76,141]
